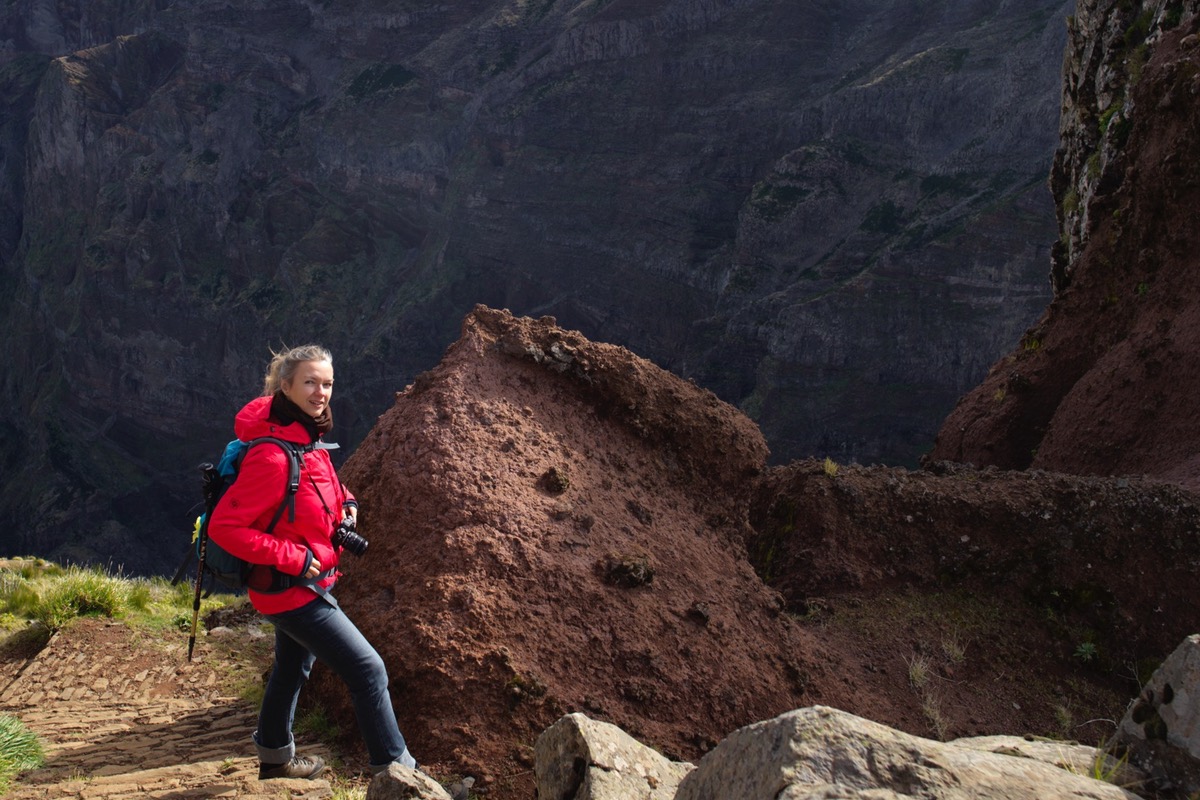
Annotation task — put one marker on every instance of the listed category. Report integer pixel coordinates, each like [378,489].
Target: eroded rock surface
[502,599]
[1160,731]
[559,526]
[584,759]
[821,752]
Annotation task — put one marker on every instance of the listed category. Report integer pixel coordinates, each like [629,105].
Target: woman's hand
[314,569]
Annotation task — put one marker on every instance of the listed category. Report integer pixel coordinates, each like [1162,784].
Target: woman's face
[311,387]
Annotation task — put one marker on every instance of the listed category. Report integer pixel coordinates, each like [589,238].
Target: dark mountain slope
[833,215]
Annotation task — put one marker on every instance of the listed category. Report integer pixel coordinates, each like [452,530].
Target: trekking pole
[196,599]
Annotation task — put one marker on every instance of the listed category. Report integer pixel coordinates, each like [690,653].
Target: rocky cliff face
[834,216]
[1105,382]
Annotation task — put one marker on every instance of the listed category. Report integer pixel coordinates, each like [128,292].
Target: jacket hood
[254,421]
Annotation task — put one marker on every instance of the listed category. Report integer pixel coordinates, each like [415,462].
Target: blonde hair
[284,365]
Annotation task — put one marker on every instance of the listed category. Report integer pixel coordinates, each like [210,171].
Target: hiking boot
[298,767]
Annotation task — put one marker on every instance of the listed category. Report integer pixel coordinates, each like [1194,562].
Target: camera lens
[354,543]
[344,536]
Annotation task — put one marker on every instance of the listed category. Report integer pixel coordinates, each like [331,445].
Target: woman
[300,563]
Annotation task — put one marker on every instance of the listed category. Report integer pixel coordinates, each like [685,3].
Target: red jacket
[241,517]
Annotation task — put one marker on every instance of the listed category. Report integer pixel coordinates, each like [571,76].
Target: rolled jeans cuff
[276,755]
[405,760]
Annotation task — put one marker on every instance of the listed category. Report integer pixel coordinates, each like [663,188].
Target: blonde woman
[297,559]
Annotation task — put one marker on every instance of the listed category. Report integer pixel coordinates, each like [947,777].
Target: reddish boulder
[558,525]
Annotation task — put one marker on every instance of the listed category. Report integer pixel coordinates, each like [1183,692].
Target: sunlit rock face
[558,524]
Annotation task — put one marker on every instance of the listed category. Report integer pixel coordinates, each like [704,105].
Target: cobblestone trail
[122,717]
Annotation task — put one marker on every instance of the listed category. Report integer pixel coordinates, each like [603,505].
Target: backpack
[216,562]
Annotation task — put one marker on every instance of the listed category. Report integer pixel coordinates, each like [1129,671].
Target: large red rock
[559,525]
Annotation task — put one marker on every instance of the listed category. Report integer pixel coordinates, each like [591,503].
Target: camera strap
[314,583]
[320,496]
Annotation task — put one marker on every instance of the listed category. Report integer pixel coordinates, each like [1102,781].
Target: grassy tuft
[20,750]
[346,791]
[954,648]
[80,592]
[41,595]
[919,670]
[317,722]
[931,707]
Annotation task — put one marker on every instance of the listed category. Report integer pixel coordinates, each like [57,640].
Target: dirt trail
[122,715]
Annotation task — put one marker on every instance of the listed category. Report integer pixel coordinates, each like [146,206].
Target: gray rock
[578,758]
[461,790]
[1161,728]
[402,783]
[1096,84]
[1073,757]
[821,752]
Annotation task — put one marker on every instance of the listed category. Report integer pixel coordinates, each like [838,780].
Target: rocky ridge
[143,722]
[1104,383]
[558,526]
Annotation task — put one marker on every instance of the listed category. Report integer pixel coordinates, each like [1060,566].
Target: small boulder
[578,758]
[1081,759]
[1161,729]
[401,783]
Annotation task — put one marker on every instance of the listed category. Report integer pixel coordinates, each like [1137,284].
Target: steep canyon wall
[832,215]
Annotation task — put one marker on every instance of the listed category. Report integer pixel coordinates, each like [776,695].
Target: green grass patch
[35,593]
[20,750]
[317,723]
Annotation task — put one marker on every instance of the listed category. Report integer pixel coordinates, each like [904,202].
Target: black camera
[344,536]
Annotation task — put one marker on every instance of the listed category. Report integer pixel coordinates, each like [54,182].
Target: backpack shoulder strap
[295,453]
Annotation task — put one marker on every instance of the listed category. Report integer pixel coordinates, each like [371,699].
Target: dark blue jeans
[319,630]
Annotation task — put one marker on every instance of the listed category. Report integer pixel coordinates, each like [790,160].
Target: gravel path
[122,716]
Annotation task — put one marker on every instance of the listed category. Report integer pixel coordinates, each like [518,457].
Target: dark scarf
[286,412]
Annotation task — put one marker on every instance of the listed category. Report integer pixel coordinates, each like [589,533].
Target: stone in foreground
[821,752]
[1161,729]
[582,759]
